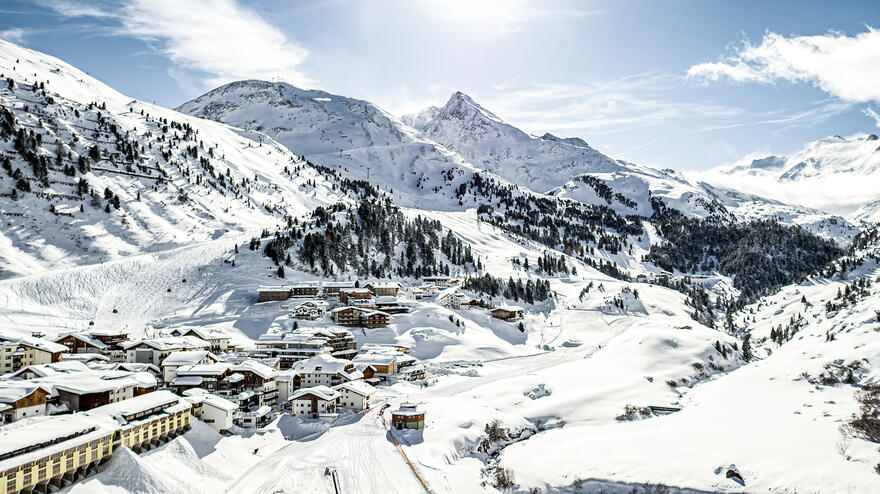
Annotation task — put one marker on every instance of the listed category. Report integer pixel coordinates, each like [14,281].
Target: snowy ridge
[352,136]
[836,174]
[179,179]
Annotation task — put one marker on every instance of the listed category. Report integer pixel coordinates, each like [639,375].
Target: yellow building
[63,449]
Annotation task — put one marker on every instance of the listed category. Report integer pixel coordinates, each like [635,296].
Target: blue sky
[672,84]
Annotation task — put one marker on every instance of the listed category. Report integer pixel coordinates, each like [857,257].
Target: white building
[314,402]
[216,411]
[310,309]
[155,350]
[179,359]
[323,370]
[354,395]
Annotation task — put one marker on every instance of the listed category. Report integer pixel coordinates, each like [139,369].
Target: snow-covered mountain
[836,174]
[350,135]
[570,168]
[92,175]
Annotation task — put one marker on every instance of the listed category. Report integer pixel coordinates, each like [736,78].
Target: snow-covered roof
[187,380]
[138,404]
[335,284]
[14,437]
[357,387]
[11,394]
[384,285]
[215,369]
[321,392]
[374,359]
[95,381]
[188,357]
[323,364]
[509,308]
[38,343]
[62,367]
[220,402]
[85,338]
[205,334]
[85,357]
[169,343]
[257,368]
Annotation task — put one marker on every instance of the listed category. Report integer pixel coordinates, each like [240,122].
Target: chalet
[340,341]
[216,411]
[453,299]
[383,365]
[292,347]
[439,281]
[21,351]
[392,305]
[408,416]
[507,312]
[273,293]
[360,297]
[206,376]
[254,417]
[323,370]
[155,350]
[359,317]
[17,402]
[307,289]
[331,288]
[217,339]
[413,372]
[82,343]
[354,395]
[384,289]
[315,402]
[185,358]
[310,309]
[258,378]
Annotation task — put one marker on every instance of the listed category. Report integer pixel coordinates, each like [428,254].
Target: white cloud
[221,39]
[14,34]
[843,66]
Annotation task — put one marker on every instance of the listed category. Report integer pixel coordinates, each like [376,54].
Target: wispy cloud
[15,34]
[871,113]
[603,107]
[221,40]
[846,67]
[490,18]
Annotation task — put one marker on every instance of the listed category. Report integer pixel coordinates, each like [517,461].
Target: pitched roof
[85,338]
[257,368]
[168,343]
[39,343]
[188,357]
[357,387]
[322,392]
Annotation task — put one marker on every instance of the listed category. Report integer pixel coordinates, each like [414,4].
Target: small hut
[408,416]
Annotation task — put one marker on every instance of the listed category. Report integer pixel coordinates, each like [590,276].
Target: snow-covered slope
[352,136]
[92,175]
[836,174]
